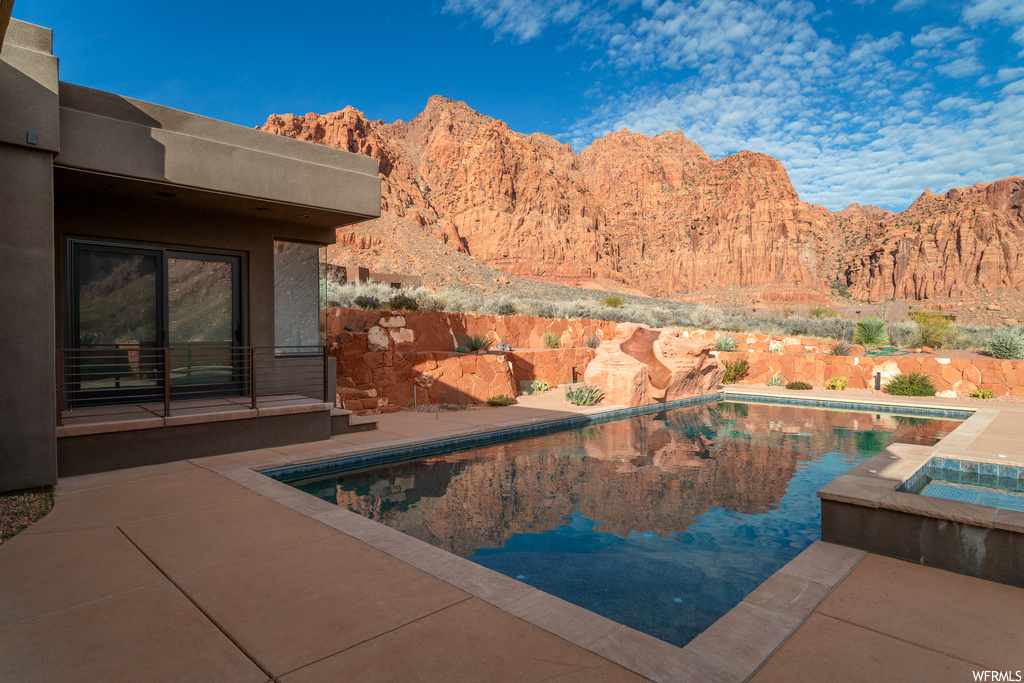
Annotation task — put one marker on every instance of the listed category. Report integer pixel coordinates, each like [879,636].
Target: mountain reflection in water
[662,522]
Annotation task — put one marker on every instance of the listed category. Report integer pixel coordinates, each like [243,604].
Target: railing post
[327,382]
[60,387]
[252,374]
[167,382]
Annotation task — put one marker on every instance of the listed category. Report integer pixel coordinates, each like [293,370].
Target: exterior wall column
[29,139]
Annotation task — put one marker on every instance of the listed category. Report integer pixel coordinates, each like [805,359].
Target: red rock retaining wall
[960,376]
[443,331]
[391,356]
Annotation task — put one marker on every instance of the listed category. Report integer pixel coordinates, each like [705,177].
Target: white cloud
[908,5]
[866,118]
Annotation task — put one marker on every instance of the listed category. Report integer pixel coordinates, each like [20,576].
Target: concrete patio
[207,570]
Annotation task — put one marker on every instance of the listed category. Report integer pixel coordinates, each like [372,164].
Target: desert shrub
[461,349]
[506,308]
[545,309]
[501,400]
[903,334]
[724,342]
[735,370]
[777,349]
[1007,344]
[870,331]
[823,312]
[613,301]
[402,302]
[593,342]
[707,317]
[644,316]
[681,318]
[366,302]
[579,310]
[802,386]
[584,395]
[476,343]
[982,393]
[836,383]
[838,347]
[911,384]
[735,324]
[345,294]
[537,385]
[796,326]
[969,337]
[933,328]
[776,380]
[551,340]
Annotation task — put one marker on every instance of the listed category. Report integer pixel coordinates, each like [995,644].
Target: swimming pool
[662,522]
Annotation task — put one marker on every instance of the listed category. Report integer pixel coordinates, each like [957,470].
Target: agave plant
[584,395]
[839,348]
[724,342]
[871,332]
[476,343]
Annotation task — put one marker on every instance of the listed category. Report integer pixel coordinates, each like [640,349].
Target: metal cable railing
[135,373]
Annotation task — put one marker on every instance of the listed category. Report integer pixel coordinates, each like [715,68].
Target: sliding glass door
[129,303]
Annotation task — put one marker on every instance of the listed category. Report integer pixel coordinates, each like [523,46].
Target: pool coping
[734,648]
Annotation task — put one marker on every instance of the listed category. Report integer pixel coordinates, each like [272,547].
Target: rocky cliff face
[947,245]
[659,216]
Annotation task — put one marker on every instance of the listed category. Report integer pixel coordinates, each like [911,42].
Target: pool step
[341,423]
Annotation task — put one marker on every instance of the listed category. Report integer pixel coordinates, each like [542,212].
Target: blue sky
[869,100]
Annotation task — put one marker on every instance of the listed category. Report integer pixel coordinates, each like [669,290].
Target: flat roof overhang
[117,147]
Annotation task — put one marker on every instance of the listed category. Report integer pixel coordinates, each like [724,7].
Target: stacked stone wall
[951,376]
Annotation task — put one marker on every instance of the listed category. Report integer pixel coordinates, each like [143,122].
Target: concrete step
[341,423]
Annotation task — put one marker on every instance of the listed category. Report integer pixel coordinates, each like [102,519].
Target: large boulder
[639,366]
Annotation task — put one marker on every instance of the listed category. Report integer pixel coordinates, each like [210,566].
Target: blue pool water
[965,481]
[662,522]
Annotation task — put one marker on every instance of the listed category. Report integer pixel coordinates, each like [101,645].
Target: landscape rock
[639,366]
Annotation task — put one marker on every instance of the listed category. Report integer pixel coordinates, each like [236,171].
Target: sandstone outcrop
[639,366]
[653,215]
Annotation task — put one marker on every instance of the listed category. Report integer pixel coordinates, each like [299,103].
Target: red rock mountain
[659,216]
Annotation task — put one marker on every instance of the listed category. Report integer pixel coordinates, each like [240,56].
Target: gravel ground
[19,510]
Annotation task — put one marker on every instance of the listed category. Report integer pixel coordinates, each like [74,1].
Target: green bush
[613,301]
[1007,344]
[476,343]
[724,342]
[803,386]
[500,400]
[982,393]
[836,383]
[461,349]
[506,308]
[871,332]
[776,380]
[735,370]
[537,385]
[551,340]
[933,328]
[593,342]
[838,348]
[823,312]
[584,395]
[402,302]
[912,384]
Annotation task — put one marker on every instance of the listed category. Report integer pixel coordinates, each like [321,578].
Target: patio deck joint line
[192,602]
[804,619]
[374,637]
